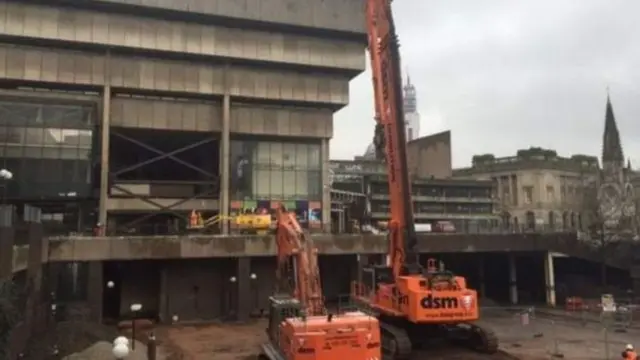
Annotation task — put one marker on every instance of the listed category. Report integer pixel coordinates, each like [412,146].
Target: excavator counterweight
[413,304]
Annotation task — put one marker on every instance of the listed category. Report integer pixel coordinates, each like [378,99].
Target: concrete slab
[210,246]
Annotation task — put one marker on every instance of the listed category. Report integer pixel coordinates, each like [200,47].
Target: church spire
[611,145]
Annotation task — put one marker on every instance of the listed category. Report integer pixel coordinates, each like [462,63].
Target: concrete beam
[45,23]
[210,246]
[338,15]
[84,68]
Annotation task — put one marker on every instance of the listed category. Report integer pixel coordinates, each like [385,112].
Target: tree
[9,315]
[606,220]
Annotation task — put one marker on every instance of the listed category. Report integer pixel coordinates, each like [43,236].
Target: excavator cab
[282,307]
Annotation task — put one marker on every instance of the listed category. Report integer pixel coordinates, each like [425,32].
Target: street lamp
[110,284]
[120,347]
[5,175]
[254,287]
[134,311]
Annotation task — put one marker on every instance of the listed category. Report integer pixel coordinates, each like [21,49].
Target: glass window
[302,184]
[276,183]
[262,186]
[262,155]
[289,184]
[53,153]
[11,135]
[277,155]
[289,156]
[314,156]
[315,185]
[302,156]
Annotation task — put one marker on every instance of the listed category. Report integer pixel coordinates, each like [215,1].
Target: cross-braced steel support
[209,180]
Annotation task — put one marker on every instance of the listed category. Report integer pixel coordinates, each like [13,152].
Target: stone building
[536,189]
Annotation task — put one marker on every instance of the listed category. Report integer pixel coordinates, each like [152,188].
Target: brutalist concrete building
[133,113]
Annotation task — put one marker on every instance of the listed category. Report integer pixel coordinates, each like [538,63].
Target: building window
[528,194]
[264,170]
[48,147]
[551,194]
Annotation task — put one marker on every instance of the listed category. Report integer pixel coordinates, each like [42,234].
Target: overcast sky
[504,75]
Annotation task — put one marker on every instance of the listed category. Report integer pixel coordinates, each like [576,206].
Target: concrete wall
[345,15]
[101,28]
[136,73]
[430,156]
[185,115]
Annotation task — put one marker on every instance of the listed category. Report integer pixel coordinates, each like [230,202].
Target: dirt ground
[541,339]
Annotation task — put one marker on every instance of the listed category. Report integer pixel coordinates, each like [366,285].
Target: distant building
[411,115]
[466,204]
[615,207]
[536,188]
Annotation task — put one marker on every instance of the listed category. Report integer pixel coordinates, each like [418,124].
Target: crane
[413,304]
[300,327]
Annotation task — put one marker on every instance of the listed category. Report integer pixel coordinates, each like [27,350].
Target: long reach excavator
[414,304]
[300,327]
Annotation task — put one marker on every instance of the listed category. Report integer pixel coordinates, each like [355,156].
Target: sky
[503,75]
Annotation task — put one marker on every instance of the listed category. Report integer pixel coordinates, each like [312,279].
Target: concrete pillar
[95,288]
[104,155]
[513,279]
[244,296]
[326,188]
[34,269]
[224,162]
[482,286]
[6,241]
[549,279]
[163,297]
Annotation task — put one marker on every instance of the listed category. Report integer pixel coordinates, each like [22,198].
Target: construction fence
[564,332]
[589,329]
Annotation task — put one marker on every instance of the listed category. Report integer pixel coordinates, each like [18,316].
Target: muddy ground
[541,338]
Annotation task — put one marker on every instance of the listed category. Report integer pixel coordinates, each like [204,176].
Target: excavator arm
[390,137]
[298,263]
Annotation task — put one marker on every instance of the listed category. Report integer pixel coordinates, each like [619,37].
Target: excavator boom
[412,304]
[297,255]
[387,81]
[299,325]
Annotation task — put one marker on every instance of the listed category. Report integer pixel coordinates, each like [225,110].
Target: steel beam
[162,155]
[161,208]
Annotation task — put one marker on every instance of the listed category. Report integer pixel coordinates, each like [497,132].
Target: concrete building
[131,114]
[536,189]
[468,204]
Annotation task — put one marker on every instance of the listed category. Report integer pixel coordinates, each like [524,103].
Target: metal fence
[541,333]
[587,333]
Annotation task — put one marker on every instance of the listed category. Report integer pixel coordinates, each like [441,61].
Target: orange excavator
[300,327]
[414,304]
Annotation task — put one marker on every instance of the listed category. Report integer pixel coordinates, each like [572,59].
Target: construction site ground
[544,337]
[548,334]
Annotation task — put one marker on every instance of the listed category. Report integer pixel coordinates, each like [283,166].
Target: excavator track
[396,344]
[475,337]
[483,340]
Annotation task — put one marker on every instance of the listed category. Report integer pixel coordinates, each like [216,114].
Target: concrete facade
[430,156]
[537,188]
[231,69]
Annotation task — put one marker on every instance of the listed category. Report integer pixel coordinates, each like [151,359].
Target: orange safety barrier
[574,303]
